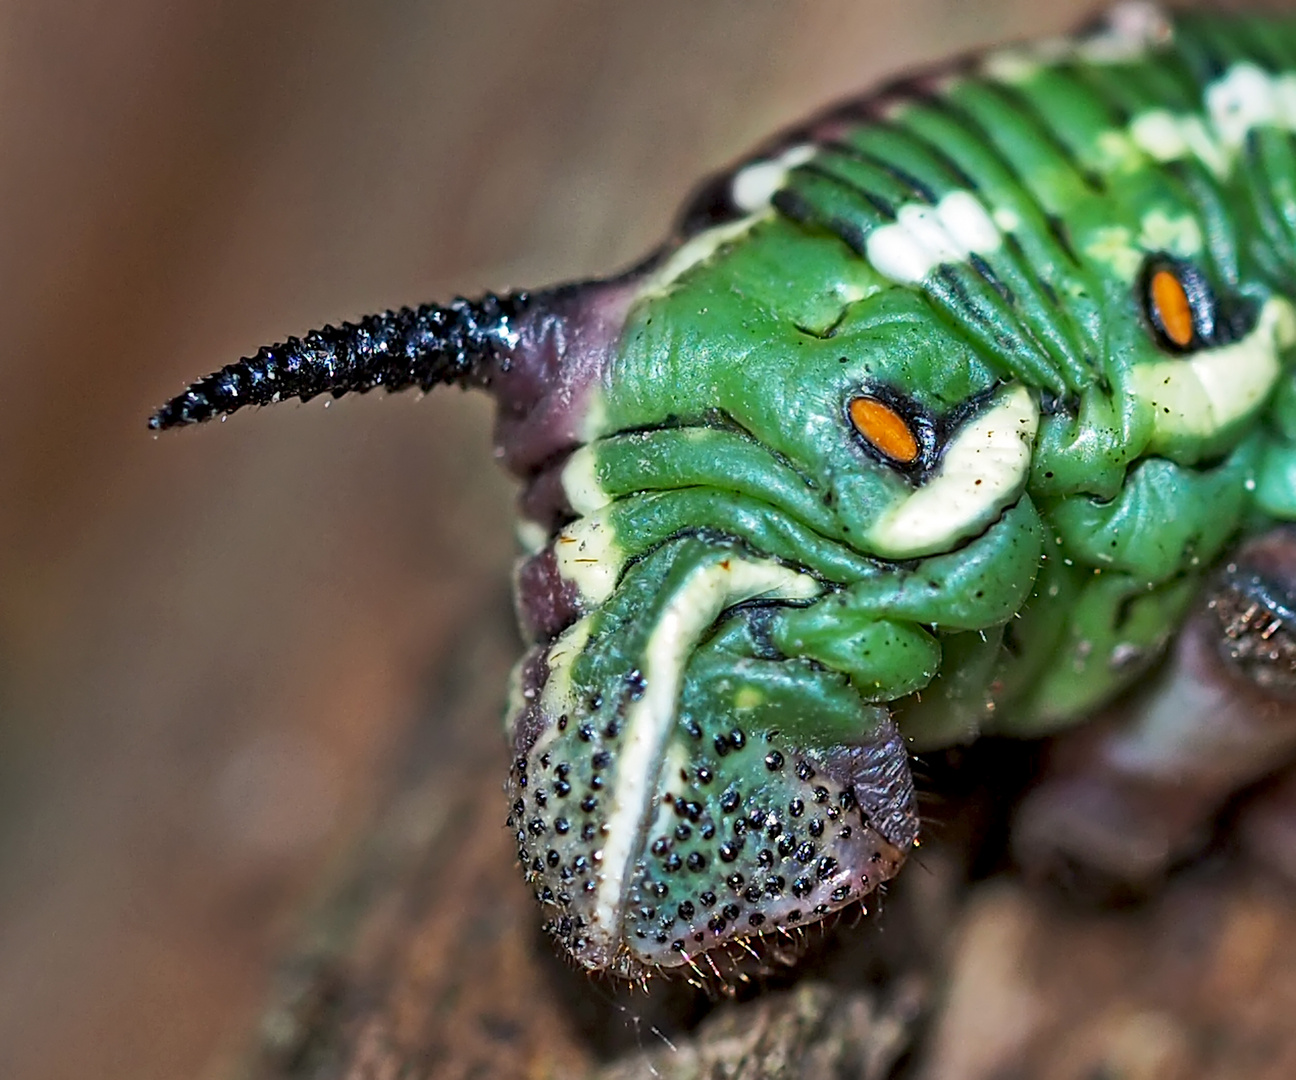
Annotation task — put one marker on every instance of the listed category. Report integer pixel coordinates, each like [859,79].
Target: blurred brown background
[210,643]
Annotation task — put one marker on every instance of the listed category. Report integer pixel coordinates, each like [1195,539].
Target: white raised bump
[580,482]
[589,557]
[923,237]
[984,469]
[1215,387]
[708,591]
[754,186]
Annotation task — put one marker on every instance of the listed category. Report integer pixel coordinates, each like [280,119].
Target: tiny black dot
[765,858]
[786,845]
[704,775]
[696,861]
[805,852]
[840,893]
[774,886]
[708,830]
[561,825]
[601,760]
[728,852]
[586,732]
[588,831]
[562,788]
[735,881]
[552,858]
[682,831]
[796,808]
[716,924]
[755,918]
[729,801]
[804,771]
[752,894]
[731,911]
[794,915]
[707,899]
[537,826]
[588,804]
[802,886]
[686,909]
[773,761]
[673,862]
[816,827]
[660,846]
[563,769]
[820,794]
[737,739]
[721,745]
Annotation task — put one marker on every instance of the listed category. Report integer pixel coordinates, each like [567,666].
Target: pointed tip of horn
[424,347]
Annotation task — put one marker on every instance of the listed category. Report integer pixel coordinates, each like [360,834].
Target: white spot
[1014,65]
[923,237]
[1131,30]
[1246,97]
[1201,395]
[589,557]
[1113,245]
[580,482]
[1163,136]
[1007,219]
[1243,98]
[649,722]
[1178,235]
[754,186]
[531,535]
[696,250]
[984,469]
[557,697]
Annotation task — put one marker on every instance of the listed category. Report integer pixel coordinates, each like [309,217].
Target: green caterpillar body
[928,424]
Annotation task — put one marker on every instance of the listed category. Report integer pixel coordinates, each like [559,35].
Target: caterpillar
[964,407]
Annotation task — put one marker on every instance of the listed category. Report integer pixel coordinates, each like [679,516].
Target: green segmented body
[969,247]
[928,424]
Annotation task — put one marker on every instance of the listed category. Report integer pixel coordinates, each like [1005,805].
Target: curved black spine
[424,347]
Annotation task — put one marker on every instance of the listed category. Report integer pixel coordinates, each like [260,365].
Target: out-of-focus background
[211,642]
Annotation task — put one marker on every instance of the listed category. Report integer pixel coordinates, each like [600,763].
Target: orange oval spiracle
[885,429]
[1173,311]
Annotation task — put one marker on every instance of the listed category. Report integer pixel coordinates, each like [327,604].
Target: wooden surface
[220,653]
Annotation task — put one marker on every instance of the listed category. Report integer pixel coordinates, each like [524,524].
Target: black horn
[426,346]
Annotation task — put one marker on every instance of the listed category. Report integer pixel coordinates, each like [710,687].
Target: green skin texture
[723,416]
